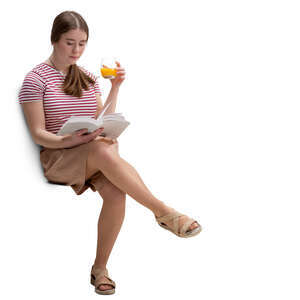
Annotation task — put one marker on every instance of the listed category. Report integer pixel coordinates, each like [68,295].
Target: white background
[212,94]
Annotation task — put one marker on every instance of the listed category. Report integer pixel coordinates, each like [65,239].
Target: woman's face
[70,46]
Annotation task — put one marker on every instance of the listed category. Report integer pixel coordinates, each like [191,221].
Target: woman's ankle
[161,210]
[98,265]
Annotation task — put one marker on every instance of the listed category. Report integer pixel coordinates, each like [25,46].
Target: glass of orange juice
[108,67]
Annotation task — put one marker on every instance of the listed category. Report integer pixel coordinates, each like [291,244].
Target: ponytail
[76,81]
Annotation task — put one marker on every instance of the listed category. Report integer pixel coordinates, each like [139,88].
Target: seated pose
[58,88]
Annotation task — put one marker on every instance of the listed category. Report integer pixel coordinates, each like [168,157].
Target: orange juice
[108,72]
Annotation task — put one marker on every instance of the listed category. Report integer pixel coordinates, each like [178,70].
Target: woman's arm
[35,118]
[114,91]
[113,95]
[34,114]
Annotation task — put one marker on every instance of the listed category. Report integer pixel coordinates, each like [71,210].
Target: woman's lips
[74,57]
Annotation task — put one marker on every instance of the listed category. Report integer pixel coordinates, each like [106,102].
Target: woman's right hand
[80,137]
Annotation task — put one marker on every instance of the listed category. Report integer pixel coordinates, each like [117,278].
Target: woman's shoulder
[33,85]
[39,72]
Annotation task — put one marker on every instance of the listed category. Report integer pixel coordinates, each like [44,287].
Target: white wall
[212,94]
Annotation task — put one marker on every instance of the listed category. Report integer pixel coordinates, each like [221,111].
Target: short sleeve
[97,87]
[32,89]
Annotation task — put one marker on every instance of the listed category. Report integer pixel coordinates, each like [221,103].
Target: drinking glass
[108,67]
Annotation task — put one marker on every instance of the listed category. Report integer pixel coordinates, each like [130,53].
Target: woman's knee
[107,152]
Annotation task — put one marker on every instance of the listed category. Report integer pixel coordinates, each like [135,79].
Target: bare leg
[121,178]
[109,225]
[124,176]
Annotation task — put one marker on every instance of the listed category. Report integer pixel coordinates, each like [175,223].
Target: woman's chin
[73,61]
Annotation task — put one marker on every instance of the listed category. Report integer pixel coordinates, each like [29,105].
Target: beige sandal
[181,232]
[96,274]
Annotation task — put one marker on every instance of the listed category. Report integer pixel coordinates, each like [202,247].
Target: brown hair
[76,79]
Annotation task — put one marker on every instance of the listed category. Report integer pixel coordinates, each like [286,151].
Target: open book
[114,124]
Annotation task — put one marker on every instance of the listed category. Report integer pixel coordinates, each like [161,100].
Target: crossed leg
[120,179]
[104,156]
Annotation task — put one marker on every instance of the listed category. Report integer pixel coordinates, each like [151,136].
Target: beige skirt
[67,166]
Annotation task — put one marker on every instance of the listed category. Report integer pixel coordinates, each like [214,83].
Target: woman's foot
[104,287]
[182,219]
[107,286]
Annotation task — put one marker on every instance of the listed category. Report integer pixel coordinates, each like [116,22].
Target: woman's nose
[76,49]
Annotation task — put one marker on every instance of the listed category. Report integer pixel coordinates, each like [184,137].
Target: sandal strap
[99,282]
[174,216]
[181,231]
[98,274]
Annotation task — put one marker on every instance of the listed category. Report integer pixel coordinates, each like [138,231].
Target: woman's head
[69,36]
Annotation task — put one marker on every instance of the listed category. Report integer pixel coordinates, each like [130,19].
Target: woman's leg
[109,224]
[104,156]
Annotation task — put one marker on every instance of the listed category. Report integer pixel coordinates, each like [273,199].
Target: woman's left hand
[117,81]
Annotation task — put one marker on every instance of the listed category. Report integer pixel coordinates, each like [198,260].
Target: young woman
[53,91]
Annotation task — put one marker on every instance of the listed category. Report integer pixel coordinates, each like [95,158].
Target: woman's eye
[71,44]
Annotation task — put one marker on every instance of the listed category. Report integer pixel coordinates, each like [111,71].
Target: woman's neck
[59,66]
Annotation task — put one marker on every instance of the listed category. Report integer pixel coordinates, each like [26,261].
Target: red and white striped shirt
[43,83]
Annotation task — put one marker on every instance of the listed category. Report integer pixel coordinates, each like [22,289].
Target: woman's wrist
[115,87]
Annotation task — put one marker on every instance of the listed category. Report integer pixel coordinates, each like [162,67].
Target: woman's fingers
[98,131]
[120,70]
[121,73]
[81,131]
[90,136]
[95,134]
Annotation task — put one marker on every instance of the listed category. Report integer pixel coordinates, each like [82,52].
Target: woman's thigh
[97,148]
